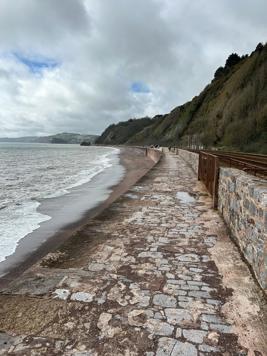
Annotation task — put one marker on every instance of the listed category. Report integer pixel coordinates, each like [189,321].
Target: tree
[219,72]
[259,47]
[232,60]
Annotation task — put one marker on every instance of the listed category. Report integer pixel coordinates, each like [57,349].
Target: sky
[80,65]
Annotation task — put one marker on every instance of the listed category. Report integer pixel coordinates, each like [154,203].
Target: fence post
[216,182]
[199,166]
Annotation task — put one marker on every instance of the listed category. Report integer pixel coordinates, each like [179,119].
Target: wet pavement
[155,274]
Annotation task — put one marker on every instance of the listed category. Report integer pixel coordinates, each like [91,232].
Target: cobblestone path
[155,274]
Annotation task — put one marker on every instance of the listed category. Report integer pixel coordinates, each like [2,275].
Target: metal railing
[208,173]
[211,161]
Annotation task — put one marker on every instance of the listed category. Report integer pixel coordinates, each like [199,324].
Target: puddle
[185,197]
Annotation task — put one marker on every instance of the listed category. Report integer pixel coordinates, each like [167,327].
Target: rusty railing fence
[211,161]
[208,173]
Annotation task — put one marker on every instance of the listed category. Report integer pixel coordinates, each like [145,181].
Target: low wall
[243,205]
[154,154]
[242,201]
[191,158]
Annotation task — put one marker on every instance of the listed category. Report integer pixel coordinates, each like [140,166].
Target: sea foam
[31,173]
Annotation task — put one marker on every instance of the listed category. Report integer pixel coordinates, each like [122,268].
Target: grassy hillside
[231,112]
[121,132]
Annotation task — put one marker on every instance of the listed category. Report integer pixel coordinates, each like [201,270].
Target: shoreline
[134,164]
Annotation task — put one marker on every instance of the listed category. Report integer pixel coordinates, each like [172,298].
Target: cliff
[231,112]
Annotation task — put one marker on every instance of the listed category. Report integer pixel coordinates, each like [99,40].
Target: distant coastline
[60,138]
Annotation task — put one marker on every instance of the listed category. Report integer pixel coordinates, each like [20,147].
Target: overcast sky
[80,65]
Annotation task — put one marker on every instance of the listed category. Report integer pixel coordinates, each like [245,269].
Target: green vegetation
[120,133]
[231,112]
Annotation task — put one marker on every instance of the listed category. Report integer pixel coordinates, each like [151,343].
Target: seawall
[153,154]
[191,159]
[242,201]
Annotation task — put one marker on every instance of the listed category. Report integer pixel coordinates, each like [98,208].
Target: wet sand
[72,211]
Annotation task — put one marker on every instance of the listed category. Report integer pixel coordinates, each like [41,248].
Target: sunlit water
[32,172]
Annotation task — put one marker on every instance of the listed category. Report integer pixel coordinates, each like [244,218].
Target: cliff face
[231,112]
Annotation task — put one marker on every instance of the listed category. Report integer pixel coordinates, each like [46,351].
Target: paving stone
[210,318]
[177,316]
[178,333]
[158,327]
[195,336]
[82,297]
[148,254]
[158,316]
[184,349]
[197,270]
[165,346]
[164,268]
[185,277]
[176,281]
[61,293]
[199,294]
[227,329]
[149,313]
[185,298]
[6,341]
[170,275]
[205,258]
[164,300]
[197,283]
[188,258]
[174,289]
[204,325]
[190,287]
[183,305]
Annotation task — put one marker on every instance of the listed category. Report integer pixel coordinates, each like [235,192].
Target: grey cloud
[36,25]
[103,47]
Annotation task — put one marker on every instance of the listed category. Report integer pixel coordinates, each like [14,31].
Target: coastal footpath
[156,273]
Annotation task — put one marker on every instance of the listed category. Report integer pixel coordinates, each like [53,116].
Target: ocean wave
[16,223]
[19,215]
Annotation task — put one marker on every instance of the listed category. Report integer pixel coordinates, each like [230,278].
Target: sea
[31,174]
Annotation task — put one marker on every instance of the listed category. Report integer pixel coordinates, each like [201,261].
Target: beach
[72,211]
